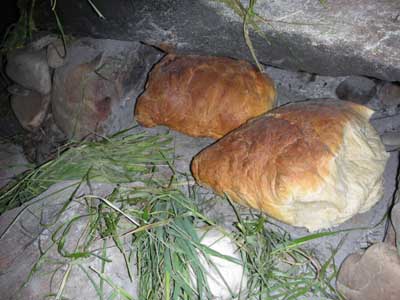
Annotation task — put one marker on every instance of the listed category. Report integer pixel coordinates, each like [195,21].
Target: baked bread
[313,164]
[204,96]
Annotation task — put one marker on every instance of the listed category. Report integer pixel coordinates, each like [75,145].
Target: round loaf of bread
[313,164]
[204,96]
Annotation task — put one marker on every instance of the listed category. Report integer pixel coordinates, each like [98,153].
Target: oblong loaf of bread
[204,96]
[313,164]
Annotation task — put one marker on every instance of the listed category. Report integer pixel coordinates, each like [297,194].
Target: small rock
[372,275]
[224,277]
[357,89]
[56,54]
[29,69]
[391,140]
[389,94]
[31,109]
[12,162]
[42,145]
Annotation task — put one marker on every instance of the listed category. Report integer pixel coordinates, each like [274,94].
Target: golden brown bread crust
[277,162]
[204,96]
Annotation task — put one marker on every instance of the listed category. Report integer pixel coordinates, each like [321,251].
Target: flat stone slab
[27,230]
[325,37]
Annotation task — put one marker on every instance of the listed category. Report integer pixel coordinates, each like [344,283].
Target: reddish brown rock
[94,92]
[372,275]
[389,94]
[30,109]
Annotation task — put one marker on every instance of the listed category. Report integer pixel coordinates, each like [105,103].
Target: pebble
[389,94]
[356,89]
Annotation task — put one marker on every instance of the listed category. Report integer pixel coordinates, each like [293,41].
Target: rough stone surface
[41,40]
[15,89]
[94,92]
[357,89]
[12,162]
[294,86]
[389,94]
[42,145]
[372,275]
[30,109]
[395,220]
[386,123]
[334,38]
[391,140]
[29,69]
[20,249]
[56,54]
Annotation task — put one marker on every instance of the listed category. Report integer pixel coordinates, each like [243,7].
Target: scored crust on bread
[313,164]
[204,96]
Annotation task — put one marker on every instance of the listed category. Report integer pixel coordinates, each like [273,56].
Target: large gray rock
[29,68]
[336,38]
[94,92]
[27,230]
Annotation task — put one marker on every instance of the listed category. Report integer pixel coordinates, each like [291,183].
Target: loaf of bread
[204,96]
[313,164]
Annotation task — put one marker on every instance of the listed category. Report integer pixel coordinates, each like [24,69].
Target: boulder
[389,98]
[94,92]
[324,37]
[30,109]
[374,274]
[29,68]
[357,89]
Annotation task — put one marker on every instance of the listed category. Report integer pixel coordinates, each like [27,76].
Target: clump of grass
[160,223]
[155,228]
[278,268]
[251,19]
[113,160]
[168,248]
